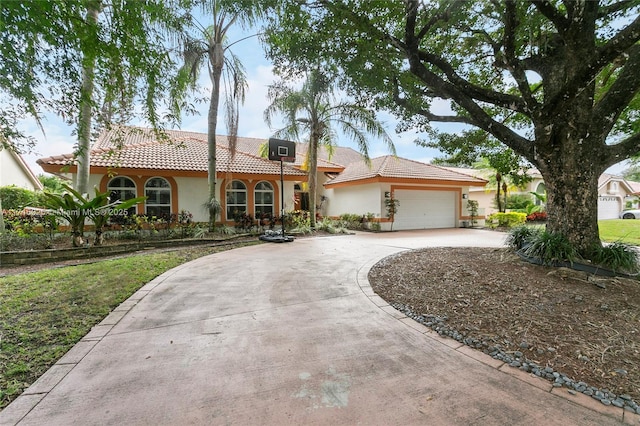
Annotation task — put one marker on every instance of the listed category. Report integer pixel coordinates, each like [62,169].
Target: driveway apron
[279,334]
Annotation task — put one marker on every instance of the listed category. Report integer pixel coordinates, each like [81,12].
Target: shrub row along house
[171,172]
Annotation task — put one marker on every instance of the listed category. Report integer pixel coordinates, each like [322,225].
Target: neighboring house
[173,175]
[613,192]
[632,201]
[14,171]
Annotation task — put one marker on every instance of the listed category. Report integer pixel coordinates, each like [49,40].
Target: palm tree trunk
[313,175]
[217,62]
[1,218]
[498,197]
[83,154]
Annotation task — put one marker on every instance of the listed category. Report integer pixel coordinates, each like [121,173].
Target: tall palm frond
[227,75]
[313,113]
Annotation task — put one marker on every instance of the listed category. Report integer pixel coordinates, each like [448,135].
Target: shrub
[225,229]
[551,248]
[618,257]
[472,207]
[243,221]
[506,220]
[331,226]
[298,219]
[518,201]
[521,235]
[537,217]
[14,198]
[10,241]
[351,221]
[24,222]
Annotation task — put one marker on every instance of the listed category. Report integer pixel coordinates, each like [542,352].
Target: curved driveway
[290,333]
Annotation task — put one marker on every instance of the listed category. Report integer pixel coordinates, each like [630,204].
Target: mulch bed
[586,327]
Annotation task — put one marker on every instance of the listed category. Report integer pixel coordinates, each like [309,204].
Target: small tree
[391,205]
[472,206]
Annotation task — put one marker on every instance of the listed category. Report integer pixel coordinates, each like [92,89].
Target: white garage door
[425,209]
[608,207]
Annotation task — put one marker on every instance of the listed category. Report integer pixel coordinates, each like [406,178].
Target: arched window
[263,199]
[158,193]
[236,199]
[542,191]
[122,188]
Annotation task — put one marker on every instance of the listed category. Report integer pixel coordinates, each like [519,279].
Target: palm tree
[83,155]
[504,177]
[225,71]
[311,111]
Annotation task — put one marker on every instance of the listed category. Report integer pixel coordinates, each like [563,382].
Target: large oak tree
[553,80]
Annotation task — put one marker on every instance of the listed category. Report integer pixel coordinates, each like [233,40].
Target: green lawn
[43,314]
[623,230]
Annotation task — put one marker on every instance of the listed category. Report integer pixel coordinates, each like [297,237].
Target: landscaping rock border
[518,360]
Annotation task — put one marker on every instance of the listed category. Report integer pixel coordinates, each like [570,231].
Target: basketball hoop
[285,152]
[281,150]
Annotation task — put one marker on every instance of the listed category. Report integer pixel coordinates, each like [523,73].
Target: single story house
[613,192]
[15,171]
[172,173]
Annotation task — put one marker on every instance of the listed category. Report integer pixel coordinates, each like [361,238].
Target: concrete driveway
[290,333]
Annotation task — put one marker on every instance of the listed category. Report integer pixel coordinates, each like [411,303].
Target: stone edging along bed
[29,257]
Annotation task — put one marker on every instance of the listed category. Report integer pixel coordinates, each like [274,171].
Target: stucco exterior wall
[12,173]
[485,201]
[357,199]
[192,194]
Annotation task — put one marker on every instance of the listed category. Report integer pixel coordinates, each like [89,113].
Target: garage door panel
[425,209]
[608,207]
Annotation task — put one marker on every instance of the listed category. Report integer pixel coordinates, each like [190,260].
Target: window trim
[273,200]
[168,189]
[227,189]
[134,189]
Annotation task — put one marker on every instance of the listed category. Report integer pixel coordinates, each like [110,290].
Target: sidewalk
[289,334]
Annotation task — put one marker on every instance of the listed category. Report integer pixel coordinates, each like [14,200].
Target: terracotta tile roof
[119,137]
[391,167]
[322,163]
[129,135]
[341,156]
[183,152]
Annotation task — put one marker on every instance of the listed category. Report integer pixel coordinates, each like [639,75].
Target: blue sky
[58,137]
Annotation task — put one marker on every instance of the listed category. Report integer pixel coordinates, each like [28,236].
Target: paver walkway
[281,334]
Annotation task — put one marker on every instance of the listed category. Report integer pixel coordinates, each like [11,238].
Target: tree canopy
[46,45]
[555,81]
